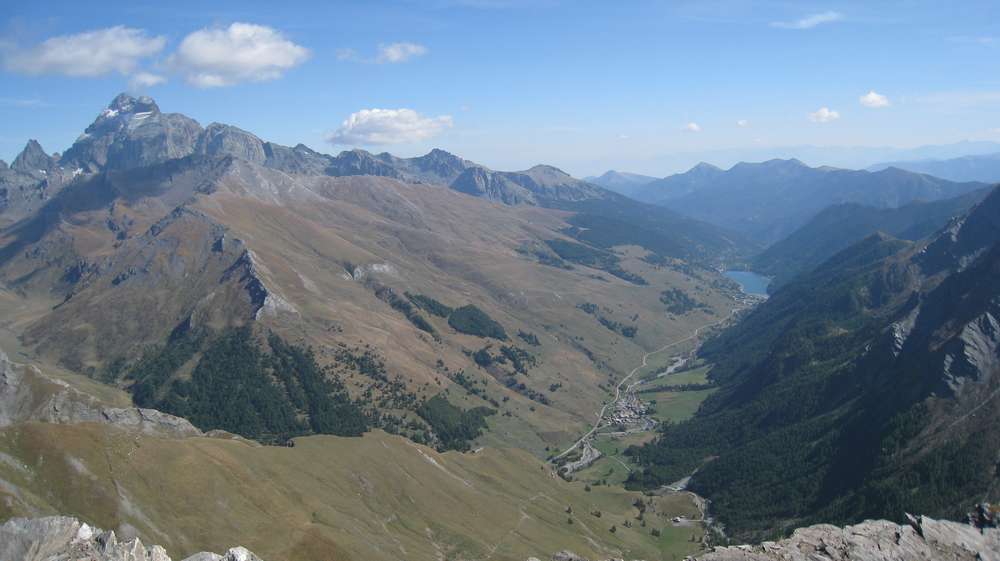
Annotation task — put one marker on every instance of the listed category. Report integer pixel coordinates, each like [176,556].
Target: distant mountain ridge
[838,226]
[133,133]
[622,182]
[977,167]
[769,200]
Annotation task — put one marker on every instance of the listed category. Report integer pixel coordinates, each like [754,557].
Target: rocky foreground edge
[61,538]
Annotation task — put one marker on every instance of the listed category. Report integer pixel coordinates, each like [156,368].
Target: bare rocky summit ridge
[62,538]
[875,540]
[923,539]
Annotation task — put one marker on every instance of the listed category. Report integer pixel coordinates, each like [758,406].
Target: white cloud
[692,127]
[743,123]
[88,54]
[242,52]
[399,52]
[810,21]
[874,100]
[388,126]
[144,80]
[824,115]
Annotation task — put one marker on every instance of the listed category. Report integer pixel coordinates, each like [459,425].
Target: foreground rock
[924,539]
[61,538]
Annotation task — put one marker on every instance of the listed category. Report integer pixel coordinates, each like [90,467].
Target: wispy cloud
[874,100]
[348,54]
[743,123]
[388,126]
[960,99]
[399,52]
[810,21]
[984,41]
[142,81]
[242,52]
[22,103]
[692,127]
[824,115]
[392,53]
[87,55]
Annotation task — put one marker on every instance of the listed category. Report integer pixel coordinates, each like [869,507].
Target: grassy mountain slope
[377,497]
[234,235]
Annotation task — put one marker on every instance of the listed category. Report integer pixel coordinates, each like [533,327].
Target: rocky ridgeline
[28,395]
[922,539]
[61,538]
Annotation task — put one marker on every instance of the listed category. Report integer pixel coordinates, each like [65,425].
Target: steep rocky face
[29,182]
[542,185]
[437,166]
[62,538]
[220,140]
[492,185]
[132,132]
[299,160]
[359,162]
[33,160]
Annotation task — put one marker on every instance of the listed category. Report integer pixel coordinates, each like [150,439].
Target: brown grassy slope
[303,232]
[371,498]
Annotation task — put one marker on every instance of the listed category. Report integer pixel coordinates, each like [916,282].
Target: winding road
[645,359]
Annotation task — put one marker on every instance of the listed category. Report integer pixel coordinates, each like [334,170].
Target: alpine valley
[214,342]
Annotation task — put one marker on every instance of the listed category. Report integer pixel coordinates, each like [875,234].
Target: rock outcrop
[62,538]
[28,395]
[923,539]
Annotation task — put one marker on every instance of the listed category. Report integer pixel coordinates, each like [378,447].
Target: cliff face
[62,538]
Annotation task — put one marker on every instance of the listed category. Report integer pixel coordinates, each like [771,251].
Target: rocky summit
[62,538]
[922,539]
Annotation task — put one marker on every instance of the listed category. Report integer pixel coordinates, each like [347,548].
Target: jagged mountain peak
[124,103]
[32,159]
[132,132]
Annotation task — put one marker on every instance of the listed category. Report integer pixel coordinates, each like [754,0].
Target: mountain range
[210,339]
[976,167]
[839,226]
[621,182]
[745,197]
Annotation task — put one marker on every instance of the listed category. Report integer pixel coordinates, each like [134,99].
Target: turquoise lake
[751,283]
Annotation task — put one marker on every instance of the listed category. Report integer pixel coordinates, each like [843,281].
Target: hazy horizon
[643,87]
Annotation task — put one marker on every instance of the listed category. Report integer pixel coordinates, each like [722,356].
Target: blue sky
[586,86]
